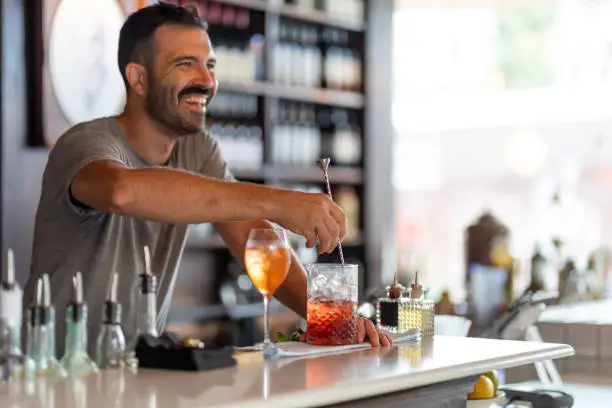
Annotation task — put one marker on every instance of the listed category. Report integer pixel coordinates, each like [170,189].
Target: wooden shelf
[345,99]
[298,13]
[337,175]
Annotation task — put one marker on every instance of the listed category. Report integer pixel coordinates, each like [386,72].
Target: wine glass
[267,258]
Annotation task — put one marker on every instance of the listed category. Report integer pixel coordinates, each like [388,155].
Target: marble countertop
[298,382]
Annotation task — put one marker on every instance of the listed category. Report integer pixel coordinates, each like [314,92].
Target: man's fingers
[389,339]
[332,227]
[361,333]
[311,238]
[372,333]
[340,219]
[325,237]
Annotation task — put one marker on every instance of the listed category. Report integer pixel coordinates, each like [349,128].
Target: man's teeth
[196,99]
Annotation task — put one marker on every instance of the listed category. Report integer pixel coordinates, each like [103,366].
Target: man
[116,184]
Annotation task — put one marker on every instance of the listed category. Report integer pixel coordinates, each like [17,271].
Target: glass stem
[266,301]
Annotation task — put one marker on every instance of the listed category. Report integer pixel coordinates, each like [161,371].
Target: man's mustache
[196,89]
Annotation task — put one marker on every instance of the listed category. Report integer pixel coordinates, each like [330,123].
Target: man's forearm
[292,293]
[179,197]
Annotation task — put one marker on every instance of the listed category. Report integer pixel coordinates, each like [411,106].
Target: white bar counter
[348,378]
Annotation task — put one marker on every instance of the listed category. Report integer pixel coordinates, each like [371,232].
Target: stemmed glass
[267,258]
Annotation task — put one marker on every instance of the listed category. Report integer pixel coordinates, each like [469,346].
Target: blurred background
[471,143]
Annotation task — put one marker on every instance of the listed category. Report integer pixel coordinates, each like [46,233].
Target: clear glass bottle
[14,365]
[41,333]
[76,360]
[388,308]
[417,312]
[111,340]
[146,318]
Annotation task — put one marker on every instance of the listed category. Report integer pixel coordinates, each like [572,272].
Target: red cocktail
[332,323]
[332,305]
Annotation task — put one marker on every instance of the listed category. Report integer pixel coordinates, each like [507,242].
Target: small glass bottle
[54,368]
[76,360]
[146,318]
[388,308]
[111,340]
[41,332]
[418,312]
[14,365]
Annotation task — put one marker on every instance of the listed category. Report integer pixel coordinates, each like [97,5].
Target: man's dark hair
[136,36]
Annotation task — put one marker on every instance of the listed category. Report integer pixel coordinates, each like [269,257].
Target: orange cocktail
[332,304]
[267,267]
[267,257]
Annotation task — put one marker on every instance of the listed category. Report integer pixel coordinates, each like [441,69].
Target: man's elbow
[120,195]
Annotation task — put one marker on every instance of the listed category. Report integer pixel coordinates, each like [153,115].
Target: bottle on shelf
[110,347]
[346,144]
[297,57]
[14,364]
[296,137]
[346,197]
[342,66]
[41,332]
[352,10]
[146,318]
[76,360]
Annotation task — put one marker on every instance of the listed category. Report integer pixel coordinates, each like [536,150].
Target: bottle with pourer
[14,365]
[76,360]
[146,319]
[41,332]
[110,348]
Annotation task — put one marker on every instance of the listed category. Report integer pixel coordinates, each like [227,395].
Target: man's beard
[162,105]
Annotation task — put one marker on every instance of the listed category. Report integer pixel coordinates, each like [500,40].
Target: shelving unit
[298,13]
[270,105]
[320,96]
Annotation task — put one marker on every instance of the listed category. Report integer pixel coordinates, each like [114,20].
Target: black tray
[166,352]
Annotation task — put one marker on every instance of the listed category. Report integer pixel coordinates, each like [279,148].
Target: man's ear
[136,76]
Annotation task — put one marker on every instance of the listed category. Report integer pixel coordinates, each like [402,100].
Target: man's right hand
[312,215]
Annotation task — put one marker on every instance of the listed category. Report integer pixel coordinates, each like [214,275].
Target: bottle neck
[147,314]
[76,331]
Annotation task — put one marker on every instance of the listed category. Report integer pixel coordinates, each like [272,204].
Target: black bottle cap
[76,311]
[112,313]
[148,284]
[45,315]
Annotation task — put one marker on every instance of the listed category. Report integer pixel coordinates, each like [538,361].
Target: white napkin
[300,349]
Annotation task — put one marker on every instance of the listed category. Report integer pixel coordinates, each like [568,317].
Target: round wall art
[82,58]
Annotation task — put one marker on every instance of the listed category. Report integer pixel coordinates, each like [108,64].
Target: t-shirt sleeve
[73,153]
[213,164]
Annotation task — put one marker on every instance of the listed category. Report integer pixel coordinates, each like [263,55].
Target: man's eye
[184,64]
[211,67]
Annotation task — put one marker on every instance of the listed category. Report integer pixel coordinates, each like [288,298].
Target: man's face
[181,79]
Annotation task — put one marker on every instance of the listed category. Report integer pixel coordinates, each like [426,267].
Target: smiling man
[116,184]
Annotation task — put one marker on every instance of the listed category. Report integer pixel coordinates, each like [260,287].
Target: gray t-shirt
[70,237]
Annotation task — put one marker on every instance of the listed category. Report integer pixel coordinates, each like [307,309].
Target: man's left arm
[292,293]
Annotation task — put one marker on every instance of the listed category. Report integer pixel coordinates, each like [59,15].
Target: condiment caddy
[400,311]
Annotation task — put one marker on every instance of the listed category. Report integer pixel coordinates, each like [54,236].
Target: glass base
[270,351]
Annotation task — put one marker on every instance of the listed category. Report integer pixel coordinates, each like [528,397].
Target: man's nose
[206,76]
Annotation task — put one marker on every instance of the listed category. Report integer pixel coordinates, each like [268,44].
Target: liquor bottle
[14,365]
[76,360]
[146,318]
[388,308]
[41,332]
[111,340]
